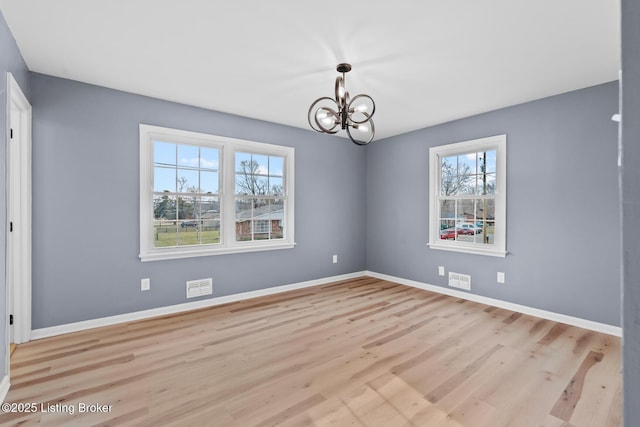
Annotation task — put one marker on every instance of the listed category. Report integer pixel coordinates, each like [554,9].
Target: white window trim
[227,147]
[498,248]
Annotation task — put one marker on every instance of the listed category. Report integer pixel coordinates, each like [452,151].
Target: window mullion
[228,210]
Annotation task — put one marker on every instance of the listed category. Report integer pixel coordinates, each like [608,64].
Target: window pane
[244,217]
[260,164]
[164,221]
[243,160]
[448,211]
[490,208]
[186,209]
[249,167]
[164,179]
[164,207]
[491,160]
[259,219]
[485,220]
[486,184]
[249,184]
[210,232]
[209,220]
[209,158]
[209,182]
[447,223]
[465,210]
[188,155]
[466,164]
[479,220]
[448,230]
[164,234]
[188,221]
[189,233]
[451,163]
[188,181]
[210,208]
[485,234]
[164,153]
[276,166]
[277,219]
[467,184]
[276,186]
[449,176]
[447,219]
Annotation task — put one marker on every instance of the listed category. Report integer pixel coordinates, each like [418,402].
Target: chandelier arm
[353,111]
[355,126]
[344,119]
[340,91]
[355,141]
[328,112]
[311,110]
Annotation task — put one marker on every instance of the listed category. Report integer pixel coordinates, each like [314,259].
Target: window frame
[228,147]
[436,154]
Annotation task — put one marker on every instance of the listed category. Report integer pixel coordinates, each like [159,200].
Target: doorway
[18,227]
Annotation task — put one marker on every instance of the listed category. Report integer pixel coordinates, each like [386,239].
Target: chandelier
[329,115]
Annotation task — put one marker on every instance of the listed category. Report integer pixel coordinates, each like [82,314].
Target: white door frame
[18,197]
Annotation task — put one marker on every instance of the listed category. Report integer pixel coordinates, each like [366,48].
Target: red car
[467,228]
[448,234]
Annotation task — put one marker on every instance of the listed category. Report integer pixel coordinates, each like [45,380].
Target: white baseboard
[4,388]
[556,317]
[172,309]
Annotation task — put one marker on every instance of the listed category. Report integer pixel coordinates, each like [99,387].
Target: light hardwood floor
[363,352]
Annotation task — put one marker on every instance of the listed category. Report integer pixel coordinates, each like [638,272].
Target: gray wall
[562,205]
[10,61]
[562,217]
[630,191]
[86,205]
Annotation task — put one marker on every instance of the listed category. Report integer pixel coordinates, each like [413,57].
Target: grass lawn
[169,236]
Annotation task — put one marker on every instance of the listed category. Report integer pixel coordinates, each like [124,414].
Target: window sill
[467,249]
[159,255]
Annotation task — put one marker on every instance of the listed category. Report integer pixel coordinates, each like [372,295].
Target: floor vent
[462,281]
[198,288]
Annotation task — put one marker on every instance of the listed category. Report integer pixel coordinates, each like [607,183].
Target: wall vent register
[462,281]
[198,288]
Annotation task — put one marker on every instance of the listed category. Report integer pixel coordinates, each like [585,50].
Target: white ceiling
[423,62]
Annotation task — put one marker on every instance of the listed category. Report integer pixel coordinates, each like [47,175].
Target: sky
[201,167]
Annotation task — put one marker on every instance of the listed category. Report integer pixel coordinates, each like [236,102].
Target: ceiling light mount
[328,115]
[343,68]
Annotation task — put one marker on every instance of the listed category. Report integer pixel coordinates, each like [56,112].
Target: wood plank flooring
[362,352]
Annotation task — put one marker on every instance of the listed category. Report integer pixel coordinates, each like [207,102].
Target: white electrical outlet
[441,270]
[145,284]
[500,277]
[335,259]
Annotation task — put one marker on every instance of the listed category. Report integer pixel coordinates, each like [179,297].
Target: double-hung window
[202,194]
[467,197]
